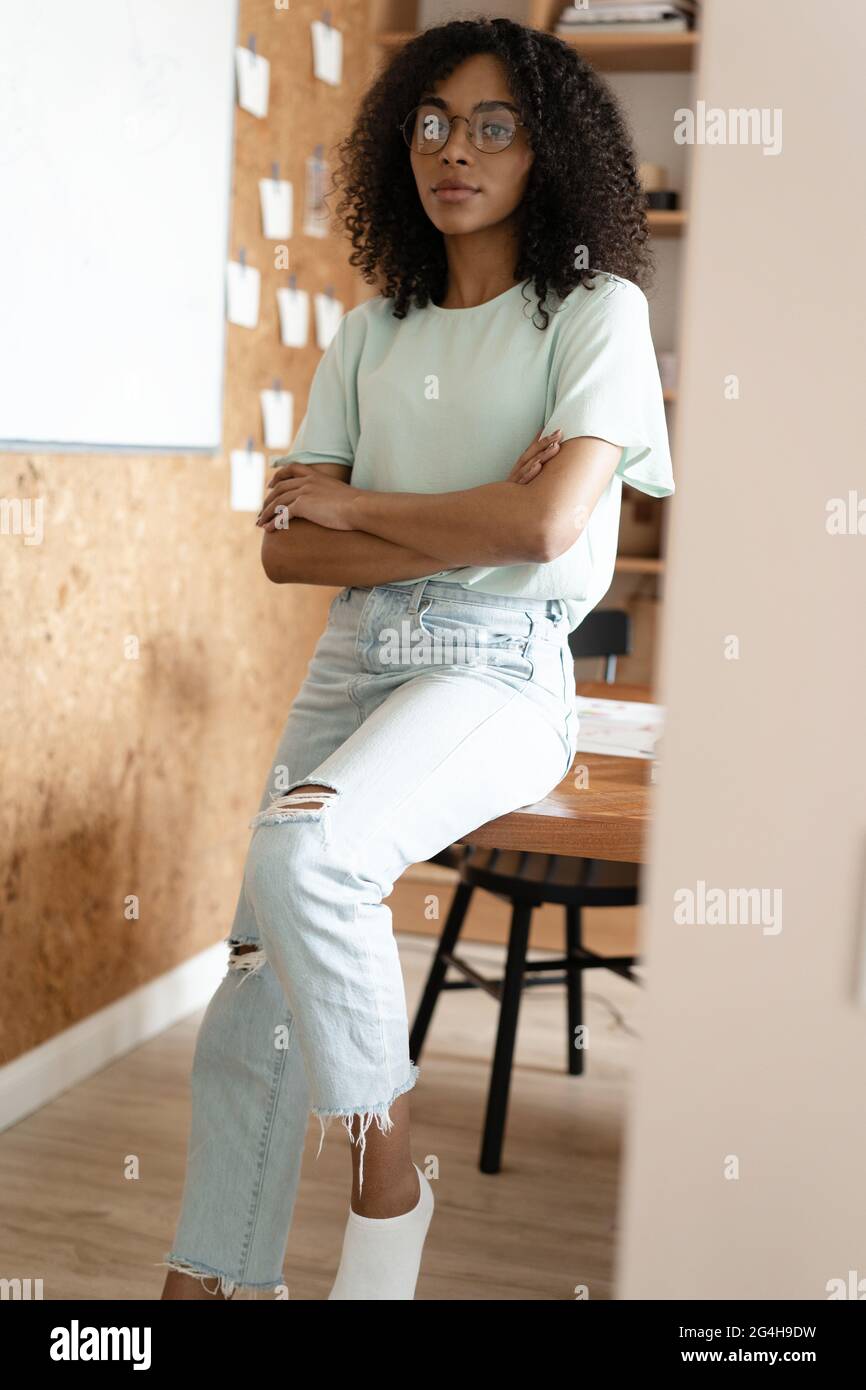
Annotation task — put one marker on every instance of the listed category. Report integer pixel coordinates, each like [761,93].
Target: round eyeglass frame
[451,119]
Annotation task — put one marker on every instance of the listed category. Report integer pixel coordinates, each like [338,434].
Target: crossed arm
[318,529]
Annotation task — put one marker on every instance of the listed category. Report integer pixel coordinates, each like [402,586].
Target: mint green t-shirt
[446,399]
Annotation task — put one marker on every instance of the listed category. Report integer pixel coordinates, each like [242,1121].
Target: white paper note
[253,75]
[327,52]
[316,215]
[276,200]
[248,480]
[328,314]
[278,408]
[294,310]
[243,287]
[623,728]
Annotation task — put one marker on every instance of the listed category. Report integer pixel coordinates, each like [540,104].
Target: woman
[487,172]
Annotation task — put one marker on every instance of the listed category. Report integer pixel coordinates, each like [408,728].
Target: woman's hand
[533,459]
[302,490]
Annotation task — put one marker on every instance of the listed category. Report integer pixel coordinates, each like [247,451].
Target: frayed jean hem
[226,1284]
[380,1113]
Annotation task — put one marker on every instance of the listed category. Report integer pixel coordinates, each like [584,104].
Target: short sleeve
[605,381]
[325,433]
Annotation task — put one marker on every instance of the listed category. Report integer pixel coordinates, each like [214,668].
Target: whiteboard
[115,168]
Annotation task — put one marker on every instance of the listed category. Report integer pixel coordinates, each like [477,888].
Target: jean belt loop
[556,610]
[415,599]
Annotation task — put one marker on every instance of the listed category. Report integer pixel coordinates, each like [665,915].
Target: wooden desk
[608,819]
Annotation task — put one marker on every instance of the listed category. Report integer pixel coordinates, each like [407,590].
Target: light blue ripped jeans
[427,710]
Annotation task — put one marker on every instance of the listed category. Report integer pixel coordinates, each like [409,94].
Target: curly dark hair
[582,190]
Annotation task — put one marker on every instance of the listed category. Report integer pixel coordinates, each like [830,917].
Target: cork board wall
[149,664]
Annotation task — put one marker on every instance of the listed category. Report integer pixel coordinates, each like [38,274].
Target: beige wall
[754,1047]
[123,776]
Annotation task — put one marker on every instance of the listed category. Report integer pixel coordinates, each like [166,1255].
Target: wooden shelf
[639,564]
[637,52]
[661,222]
[609,52]
[394,38]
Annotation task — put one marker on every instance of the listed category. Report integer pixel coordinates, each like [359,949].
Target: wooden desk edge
[536,833]
[617,835]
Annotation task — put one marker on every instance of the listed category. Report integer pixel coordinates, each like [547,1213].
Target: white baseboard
[78,1052]
[45,1072]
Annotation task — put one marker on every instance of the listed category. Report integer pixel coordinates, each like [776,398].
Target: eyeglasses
[490,128]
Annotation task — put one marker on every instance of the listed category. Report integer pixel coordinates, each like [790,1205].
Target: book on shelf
[654,26]
[614,16]
[631,9]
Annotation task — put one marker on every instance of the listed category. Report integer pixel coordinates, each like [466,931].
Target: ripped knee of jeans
[245,958]
[296,805]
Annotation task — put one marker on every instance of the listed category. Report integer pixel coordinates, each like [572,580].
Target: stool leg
[447,942]
[500,1079]
[574,987]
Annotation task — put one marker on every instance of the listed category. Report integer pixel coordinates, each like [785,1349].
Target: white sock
[381,1257]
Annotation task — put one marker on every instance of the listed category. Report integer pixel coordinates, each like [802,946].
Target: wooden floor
[543,1225]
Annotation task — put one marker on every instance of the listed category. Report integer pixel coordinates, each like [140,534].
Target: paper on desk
[624,728]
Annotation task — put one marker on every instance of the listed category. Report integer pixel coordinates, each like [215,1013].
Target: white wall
[754,1043]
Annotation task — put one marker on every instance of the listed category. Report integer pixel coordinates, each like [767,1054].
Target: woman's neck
[479,268]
